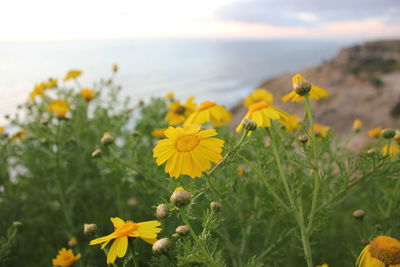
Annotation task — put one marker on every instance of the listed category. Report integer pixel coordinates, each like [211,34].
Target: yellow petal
[117,221]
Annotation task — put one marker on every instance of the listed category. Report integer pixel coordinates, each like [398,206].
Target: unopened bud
[96,153]
[303,138]
[388,133]
[162,211]
[17,223]
[358,214]
[115,67]
[89,229]
[107,139]
[249,124]
[161,246]
[182,229]
[72,242]
[215,206]
[303,88]
[371,151]
[180,197]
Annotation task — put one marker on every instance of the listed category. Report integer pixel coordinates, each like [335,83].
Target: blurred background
[214,49]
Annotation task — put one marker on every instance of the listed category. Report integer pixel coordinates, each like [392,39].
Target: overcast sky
[27,20]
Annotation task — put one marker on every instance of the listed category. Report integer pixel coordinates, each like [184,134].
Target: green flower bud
[388,133]
[180,197]
[215,206]
[358,214]
[249,124]
[303,88]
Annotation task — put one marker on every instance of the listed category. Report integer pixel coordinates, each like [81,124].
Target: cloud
[309,13]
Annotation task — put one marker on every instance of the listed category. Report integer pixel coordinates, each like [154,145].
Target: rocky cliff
[363,82]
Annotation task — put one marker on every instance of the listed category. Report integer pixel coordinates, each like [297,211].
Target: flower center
[187,143]
[180,110]
[385,249]
[258,106]
[205,105]
[126,229]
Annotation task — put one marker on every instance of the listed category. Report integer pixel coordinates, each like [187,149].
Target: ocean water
[222,70]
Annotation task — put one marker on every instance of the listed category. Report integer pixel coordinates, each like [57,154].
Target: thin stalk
[196,238]
[315,163]
[388,147]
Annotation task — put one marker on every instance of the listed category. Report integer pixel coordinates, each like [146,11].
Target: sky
[59,20]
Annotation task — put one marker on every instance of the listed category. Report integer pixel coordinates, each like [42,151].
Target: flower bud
[161,246]
[303,88]
[358,214]
[96,153]
[17,223]
[215,206]
[182,229]
[371,151]
[107,139]
[162,211]
[180,197]
[72,242]
[388,133]
[303,138]
[115,67]
[249,124]
[89,229]
[175,235]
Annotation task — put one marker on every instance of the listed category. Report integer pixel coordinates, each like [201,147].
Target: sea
[221,70]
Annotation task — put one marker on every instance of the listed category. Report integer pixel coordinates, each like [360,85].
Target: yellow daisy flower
[72,74]
[51,83]
[170,95]
[65,258]
[323,265]
[298,81]
[38,90]
[262,113]
[382,251]
[291,123]
[2,130]
[357,124]
[376,132]
[179,112]
[320,130]
[158,133]
[87,94]
[209,111]
[147,231]
[393,150]
[188,150]
[59,107]
[258,95]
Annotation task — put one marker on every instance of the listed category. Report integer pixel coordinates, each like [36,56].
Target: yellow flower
[2,130]
[209,111]
[87,94]
[382,251]
[320,130]
[147,231]
[38,90]
[258,95]
[262,113]
[239,171]
[72,74]
[170,95]
[357,124]
[188,151]
[323,265]
[18,135]
[158,133]
[315,92]
[65,258]
[393,150]
[376,132]
[59,107]
[179,112]
[51,83]
[114,67]
[291,123]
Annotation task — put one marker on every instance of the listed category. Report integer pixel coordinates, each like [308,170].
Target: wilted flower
[258,95]
[209,111]
[301,85]
[179,112]
[147,231]
[382,251]
[65,258]
[188,150]
[72,74]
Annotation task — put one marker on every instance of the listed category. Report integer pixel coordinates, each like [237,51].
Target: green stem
[196,238]
[388,147]
[315,164]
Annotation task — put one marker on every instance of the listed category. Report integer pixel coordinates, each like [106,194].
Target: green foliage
[53,186]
